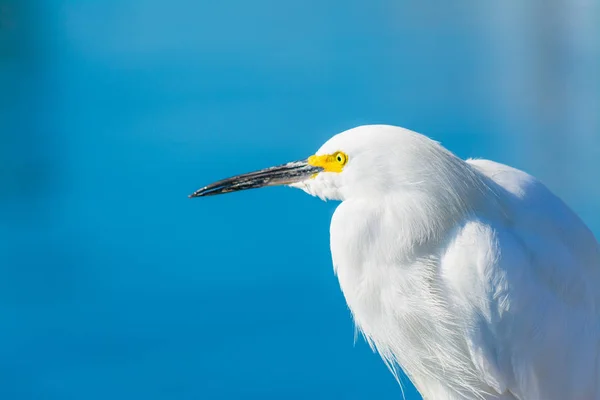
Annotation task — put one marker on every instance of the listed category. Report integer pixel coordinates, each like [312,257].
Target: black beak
[285,174]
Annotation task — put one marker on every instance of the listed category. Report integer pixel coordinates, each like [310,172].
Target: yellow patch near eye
[330,162]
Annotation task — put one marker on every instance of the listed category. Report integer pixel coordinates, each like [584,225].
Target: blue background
[113,284]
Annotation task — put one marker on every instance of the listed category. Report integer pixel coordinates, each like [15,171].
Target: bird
[470,276]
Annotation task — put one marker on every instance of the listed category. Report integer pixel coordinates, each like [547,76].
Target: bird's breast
[392,289]
[384,281]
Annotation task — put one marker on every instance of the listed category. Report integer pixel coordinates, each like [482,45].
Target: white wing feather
[528,286]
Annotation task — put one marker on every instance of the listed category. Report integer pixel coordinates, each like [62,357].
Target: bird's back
[533,209]
[539,337]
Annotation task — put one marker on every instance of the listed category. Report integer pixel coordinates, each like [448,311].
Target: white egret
[471,275]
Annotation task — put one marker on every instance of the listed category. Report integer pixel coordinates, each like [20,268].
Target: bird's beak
[285,174]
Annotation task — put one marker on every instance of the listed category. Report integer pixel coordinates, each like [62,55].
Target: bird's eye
[341,158]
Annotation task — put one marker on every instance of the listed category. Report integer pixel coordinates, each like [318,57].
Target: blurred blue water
[114,284]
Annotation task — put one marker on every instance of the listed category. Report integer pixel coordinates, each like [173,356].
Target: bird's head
[366,161]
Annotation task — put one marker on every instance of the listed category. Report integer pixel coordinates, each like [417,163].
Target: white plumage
[471,276]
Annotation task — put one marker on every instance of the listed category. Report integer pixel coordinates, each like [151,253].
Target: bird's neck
[427,212]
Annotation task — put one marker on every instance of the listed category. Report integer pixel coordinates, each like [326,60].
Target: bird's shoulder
[539,218]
